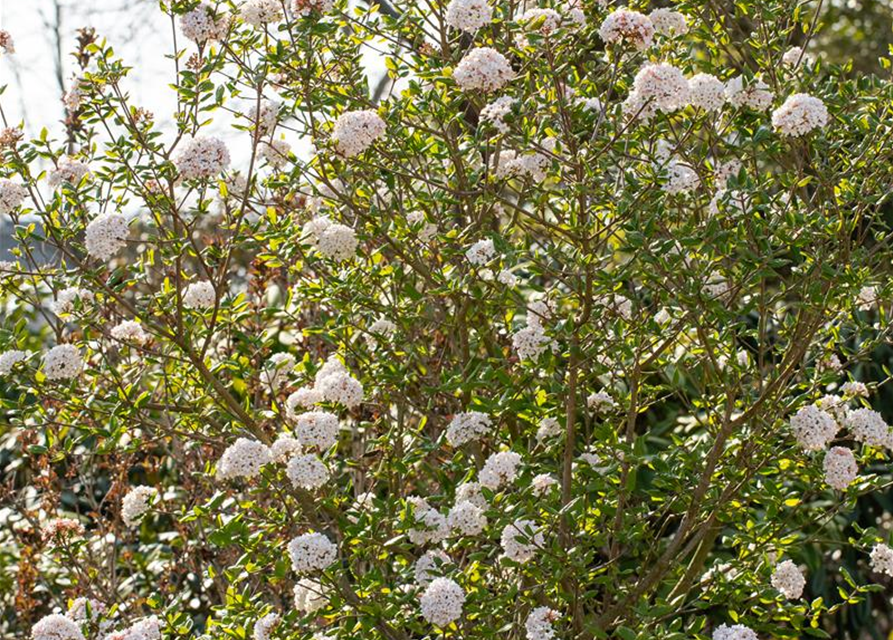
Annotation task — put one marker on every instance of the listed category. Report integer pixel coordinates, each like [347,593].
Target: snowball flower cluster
[56,627]
[520,540]
[264,627]
[468,426]
[202,157]
[681,178]
[68,171]
[9,359]
[285,446]
[434,525]
[499,469]
[788,579]
[305,7]
[202,24]
[800,114]
[754,95]
[481,252]
[277,369]
[199,295]
[659,86]
[332,240]
[882,559]
[62,361]
[309,596]
[442,602]
[106,235]
[483,69]
[130,331]
[66,299]
[468,15]
[600,401]
[311,552]
[467,518]
[539,624]
[706,92]
[425,568]
[12,196]
[868,427]
[257,13]
[813,428]
[243,459]
[496,112]
[355,131]
[734,632]
[307,471]
[840,468]
[548,428]
[668,23]
[627,27]
[135,504]
[794,57]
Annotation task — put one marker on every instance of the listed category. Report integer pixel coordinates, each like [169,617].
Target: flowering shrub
[563,334]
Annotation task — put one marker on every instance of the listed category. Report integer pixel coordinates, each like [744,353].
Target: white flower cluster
[311,552]
[442,602]
[275,152]
[467,518]
[813,428]
[481,252]
[130,331]
[62,361]
[202,24]
[9,359]
[706,92]
[788,579]
[483,69]
[202,157]
[627,27]
[243,459]
[520,540]
[882,559]
[355,131]
[306,7]
[531,340]
[264,627]
[106,235]
[539,624]
[656,87]
[332,240]
[56,627]
[468,15]
[468,426]
[307,471]
[681,178]
[794,57]
[85,609]
[257,13]
[499,469]
[601,401]
[277,370]
[199,295]
[285,446]
[548,428]
[335,384]
[68,171]
[309,596]
[542,483]
[800,114]
[755,94]
[427,566]
[548,20]
[145,629]
[135,504]
[840,468]
[868,427]
[265,117]
[66,299]
[12,196]
[734,632]
[434,525]
[495,112]
[668,23]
